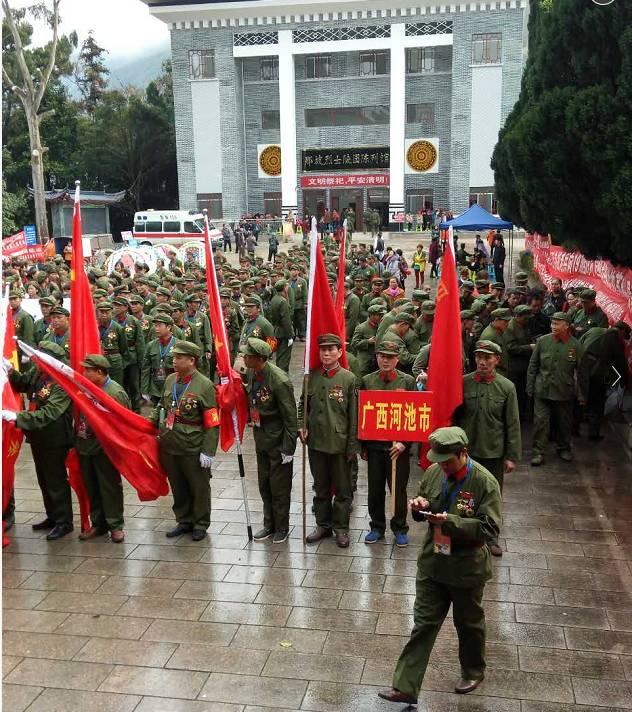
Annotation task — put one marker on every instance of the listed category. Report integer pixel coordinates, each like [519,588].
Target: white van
[174,226]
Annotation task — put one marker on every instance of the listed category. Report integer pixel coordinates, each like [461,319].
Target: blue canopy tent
[477,218]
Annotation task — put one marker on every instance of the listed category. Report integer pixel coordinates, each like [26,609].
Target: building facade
[301,106]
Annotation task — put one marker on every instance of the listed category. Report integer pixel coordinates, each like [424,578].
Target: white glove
[9,416]
[7,364]
[290,342]
[147,398]
[205,461]
[286,459]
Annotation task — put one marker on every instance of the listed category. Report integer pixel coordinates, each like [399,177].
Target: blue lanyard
[455,492]
[164,352]
[174,393]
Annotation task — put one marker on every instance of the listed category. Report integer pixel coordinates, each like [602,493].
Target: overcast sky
[123,27]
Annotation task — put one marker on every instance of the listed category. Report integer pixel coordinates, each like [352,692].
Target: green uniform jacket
[423,329]
[387,321]
[518,347]
[409,350]
[365,303]
[150,302]
[147,327]
[489,415]
[189,433]
[374,382]
[24,326]
[332,412]
[583,322]
[553,368]
[602,351]
[490,333]
[190,333]
[51,421]
[150,382]
[259,328]
[280,317]
[86,442]
[114,343]
[469,564]
[351,308]
[63,340]
[203,326]
[135,339]
[299,287]
[270,392]
[39,330]
[361,347]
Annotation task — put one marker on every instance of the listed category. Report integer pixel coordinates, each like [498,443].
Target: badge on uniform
[264,394]
[255,417]
[442,542]
[43,393]
[170,420]
[465,504]
[572,355]
[336,393]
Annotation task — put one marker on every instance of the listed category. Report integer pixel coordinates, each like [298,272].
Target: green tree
[563,162]
[14,210]
[91,73]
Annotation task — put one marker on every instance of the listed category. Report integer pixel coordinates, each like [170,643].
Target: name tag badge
[255,417]
[442,543]
[170,420]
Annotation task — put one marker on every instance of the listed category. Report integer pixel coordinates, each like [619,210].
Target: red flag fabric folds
[340,286]
[75,480]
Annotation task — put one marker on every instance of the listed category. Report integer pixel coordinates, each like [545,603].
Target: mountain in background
[136,71]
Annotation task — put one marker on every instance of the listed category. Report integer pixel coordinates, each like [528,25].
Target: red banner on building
[346,181]
[395,415]
[15,246]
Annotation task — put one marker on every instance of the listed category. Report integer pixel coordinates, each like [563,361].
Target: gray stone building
[310,105]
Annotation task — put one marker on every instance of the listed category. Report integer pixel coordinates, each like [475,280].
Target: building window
[420,60]
[347,116]
[269,69]
[420,114]
[212,202]
[419,199]
[201,64]
[272,204]
[318,66]
[271,119]
[374,63]
[485,197]
[486,48]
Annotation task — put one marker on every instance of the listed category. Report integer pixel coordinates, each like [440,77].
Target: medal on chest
[465,504]
[336,393]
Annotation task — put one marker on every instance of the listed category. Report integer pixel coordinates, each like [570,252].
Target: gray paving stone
[52,700]
[59,673]
[249,689]
[18,697]
[155,681]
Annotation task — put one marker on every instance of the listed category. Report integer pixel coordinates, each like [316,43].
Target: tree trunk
[37,168]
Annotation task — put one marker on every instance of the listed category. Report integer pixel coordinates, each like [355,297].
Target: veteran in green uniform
[351,308]
[298,285]
[48,430]
[331,438]
[589,316]
[553,370]
[158,359]
[188,423]
[133,331]
[519,346]
[364,338]
[256,325]
[146,322]
[381,454]
[461,501]
[425,322]
[273,419]
[59,331]
[194,315]
[113,342]
[22,323]
[102,480]
[280,316]
[42,325]
[495,332]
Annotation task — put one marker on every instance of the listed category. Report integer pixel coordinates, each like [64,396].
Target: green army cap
[428,307]
[234,283]
[401,301]
[224,292]
[256,347]
[252,301]
[280,285]
[587,295]
[378,300]
[467,284]
[188,278]
[408,308]
[376,309]
[378,280]
[162,318]
[561,316]
[52,348]
[349,283]
[445,443]
[405,318]
[329,340]
[104,306]
[488,347]
[41,276]
[96,361]
[467,314]
[47,301]
[153,282]
[248,283]
[498,285]
[489,298]
[120,301]
[163,291]
[16,294]
[101,293]
[521,290]
[98,272]
[482,283]
[193,298]
[123,289]
[171,278]
[141,279]
[522,310]
[359,279]
[186,348]
[136,299]
[103,283]
[522,277]
[389,347]
[177,305]
[59,311]
[164,308]
[504,314]
[419,295]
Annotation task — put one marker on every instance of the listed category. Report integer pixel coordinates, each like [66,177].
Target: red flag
[321,313]
[340,287]
[75,480]
[231,397]
[128,439]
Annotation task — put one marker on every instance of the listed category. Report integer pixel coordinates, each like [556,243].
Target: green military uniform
[48,430]
[410,345]
[583,320]
[188,424]
[298,287]
[149,302]
[377,451]
[273,416]
[114,346]
[24,327]
[332,420]
[351,308]
[102,480]
[363,343]
[157,365]
[424,324]
[135,353]
[518,345]
[259,328]
[203,327]
[62,340]
[280,317]
[147,327]
[422,359]
[551,381]
[491,333]
[366,300]
[473,504]
[41,327]
[385,324]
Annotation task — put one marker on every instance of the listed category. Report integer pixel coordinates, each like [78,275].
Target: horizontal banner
[346,181]
[344,159]
[395,415]
[13,245]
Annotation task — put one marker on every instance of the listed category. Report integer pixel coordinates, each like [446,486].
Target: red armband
[272,342]
[211,418]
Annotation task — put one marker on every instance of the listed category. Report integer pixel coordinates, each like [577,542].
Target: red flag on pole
[340,285]
[231,397]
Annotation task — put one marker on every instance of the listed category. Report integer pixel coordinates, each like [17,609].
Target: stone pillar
[397,118]
[287,108]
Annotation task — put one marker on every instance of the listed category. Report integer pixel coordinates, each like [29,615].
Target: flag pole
[242,474]
[393,484]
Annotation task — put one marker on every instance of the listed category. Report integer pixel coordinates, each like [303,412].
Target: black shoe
[463,686]
[178,530]
[58,531]
[318,534]
[198,534]
[40,526]
[263,534]
[280,537]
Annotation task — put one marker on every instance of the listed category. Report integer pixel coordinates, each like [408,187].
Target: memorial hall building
[304,105]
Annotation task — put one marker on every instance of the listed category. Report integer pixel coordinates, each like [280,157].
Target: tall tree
[563,162]
[92,74]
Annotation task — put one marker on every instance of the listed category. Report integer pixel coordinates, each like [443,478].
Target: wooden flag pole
[304,483]
[393,484]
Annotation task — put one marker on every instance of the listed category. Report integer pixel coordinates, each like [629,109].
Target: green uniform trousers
[52,477]
[595,406]
[432,604]
[283,355]
[131,378]
[190,487]
[332,478]
[495,465]
[562,414]
[116,368]
[105,490]
[379,475]
[519,379]
[275,488]
[299,322]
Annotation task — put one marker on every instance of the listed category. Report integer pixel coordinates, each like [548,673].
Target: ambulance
[152,227]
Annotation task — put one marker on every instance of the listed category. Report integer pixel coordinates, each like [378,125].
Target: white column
[397,117]
[287,108]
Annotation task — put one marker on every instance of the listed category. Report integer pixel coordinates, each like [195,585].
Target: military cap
[467,314]
[329,340]
[223,292]
[389,346]
[482,283]
[163,291]
[186,348]
[523,289]
[122,289]
[196,298]
[498,285]
[428,307]
[41,276]
[234,283]
[52,348]
[47,301]
[162,318]
[561,316]
[488,347]
[349,283]
[501,314]
[256,347]
[59,311]
[467,284]
[153,282]
[188,278]
[136,299]
[98,272]
[120,301]
[164,308]
[176,304]
[103,283]
[522,277]
[15,294]
[376,309]
[377,280]
[104,306]
[362,257]
[419,295]
[445,443]
[408,308]
[280,285]
[405,318]
[401,301]
[359,279]
[587,295]
[96,361]
[248,283]
[252,301]
[171,278]
[101,293]
[141,279]
[622,326]
[487,298]
[522,310]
